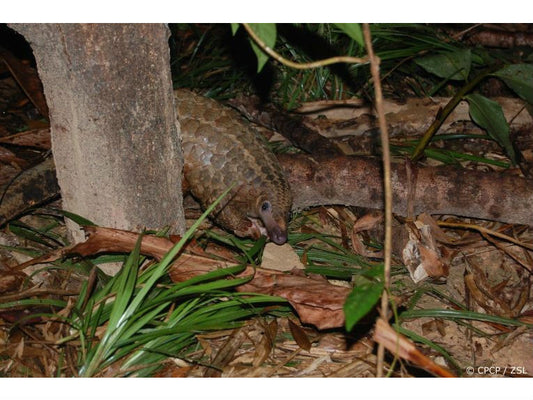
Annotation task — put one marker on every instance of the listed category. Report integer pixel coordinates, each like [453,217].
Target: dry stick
[288,63]
[374,69]
[459,35]
[486,231]
[35,291]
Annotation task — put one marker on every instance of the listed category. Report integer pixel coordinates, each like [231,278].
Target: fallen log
[355,181]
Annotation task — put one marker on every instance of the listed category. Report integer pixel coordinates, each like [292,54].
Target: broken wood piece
[402,347]
[411,117]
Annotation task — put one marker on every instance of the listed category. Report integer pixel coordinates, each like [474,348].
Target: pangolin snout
[278,235]
[275,227]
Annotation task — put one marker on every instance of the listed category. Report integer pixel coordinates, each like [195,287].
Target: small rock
[280,258]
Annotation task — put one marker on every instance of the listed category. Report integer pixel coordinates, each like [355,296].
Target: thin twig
[459,35]
[295,65]
[374,69]
[35,291]
[487,231]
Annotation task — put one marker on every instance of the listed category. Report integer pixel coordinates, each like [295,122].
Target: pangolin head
[274,216]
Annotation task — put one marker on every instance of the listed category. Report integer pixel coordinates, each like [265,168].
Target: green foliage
[202,59]
[267,33]
[448,157]
[489,115]
[354,31]
[432,345]
[462,315]
[518,77]
[360,301]
[75,217]
[400,42]
[252,250]
[328,258]
[163,322]
[453,65]
[41,236]
[32,302]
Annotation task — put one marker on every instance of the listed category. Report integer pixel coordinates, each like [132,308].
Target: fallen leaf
[299,335]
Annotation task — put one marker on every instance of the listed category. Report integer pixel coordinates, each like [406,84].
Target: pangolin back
[221,148]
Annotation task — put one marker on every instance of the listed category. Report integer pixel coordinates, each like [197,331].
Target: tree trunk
[112,116]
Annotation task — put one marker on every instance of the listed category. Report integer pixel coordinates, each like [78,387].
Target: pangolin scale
[221,148]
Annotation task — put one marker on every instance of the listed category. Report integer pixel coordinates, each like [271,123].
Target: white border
[266,11]
[267,388]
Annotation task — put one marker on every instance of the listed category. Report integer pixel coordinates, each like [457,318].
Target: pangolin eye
[265,206]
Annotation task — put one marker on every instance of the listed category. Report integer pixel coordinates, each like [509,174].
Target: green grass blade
[33,302]
[420,339]
[126,305]
[459,314]
[75,217]
[125,287]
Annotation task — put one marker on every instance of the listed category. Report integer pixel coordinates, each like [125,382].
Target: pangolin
[221,149]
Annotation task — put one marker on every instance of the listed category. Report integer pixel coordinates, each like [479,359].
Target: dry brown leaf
[35,138]
[28,79]
[299,335]
[436,230]
[367,222]
[173,371]
[263,349]
[10,281]
[316,301]
[420,253]
[226,353]
[8,157]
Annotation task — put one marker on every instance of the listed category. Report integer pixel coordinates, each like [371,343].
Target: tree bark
[112,116]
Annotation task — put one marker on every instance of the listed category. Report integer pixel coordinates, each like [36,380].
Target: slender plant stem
[295,65]
[374,69]
[446,111]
